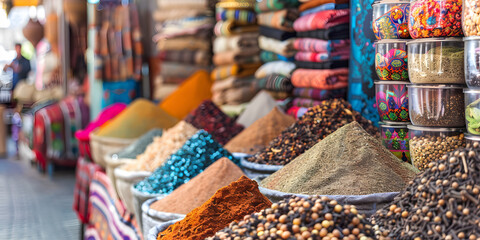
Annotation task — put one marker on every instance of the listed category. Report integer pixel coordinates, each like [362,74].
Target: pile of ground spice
[260,106]
[319,122]
[230,203]
[260,133]
[441,203]
[198,190]
[210,118]
[137,119]
[162,147]
[198,153]
[348,162]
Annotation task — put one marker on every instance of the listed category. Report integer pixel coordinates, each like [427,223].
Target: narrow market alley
[34,207]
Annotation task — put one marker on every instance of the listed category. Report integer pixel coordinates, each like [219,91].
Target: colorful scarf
[237,70]
[337,32]
[241,57]
[322,20]
[277,34]
[327,6]
[315,3]
[229,28]
[323,65]
[275,82]
[282,19]
[235,43]
[327,79]
[267,56]
[278,67]
[284,48]
[322,57]
[321,46]
[273,5]
[238,15]
[319,94]
[194,57]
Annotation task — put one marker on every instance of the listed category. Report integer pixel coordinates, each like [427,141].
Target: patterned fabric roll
[235,43]
[237,15]
[199,57]
[284,48]
[315,3]
[238,70]
[267,56]
[282,19]
[229,28]
[279,67]
[327,79]
[322,20]
[327,6]
[341,31]
[277,34]
[322,57]
[321,46]
[273,5]
[323,65]
[275,82]
[319,94]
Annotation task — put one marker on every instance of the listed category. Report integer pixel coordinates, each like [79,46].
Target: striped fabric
[84,175]
[279,67]
[275,82]
[321,57]
[273,5]
[237,15]
[236,70]
[320,46]
[327,79]
[322,20]
[235,43]
[282,19]
[229,28]
[267,56]
[284,48]
[319,94]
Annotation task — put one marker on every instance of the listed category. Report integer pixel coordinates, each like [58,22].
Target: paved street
[35,207]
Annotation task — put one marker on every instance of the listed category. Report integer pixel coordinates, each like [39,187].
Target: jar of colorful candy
[435,18]
[391,62]
[392,101]
[396,139]
[390,19]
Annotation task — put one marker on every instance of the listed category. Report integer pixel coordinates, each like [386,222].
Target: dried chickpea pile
[298,218]
[441,203]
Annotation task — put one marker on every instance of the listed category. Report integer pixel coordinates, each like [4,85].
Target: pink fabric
[322,20]
[107,114]
[322,57]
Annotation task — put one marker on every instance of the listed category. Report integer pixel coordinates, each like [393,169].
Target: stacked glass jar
[436,71]
[390,25]
[471,29]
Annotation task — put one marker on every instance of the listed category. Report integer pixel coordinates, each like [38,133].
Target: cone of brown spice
[230,203]
[348,162]
[260,133]
[198,190]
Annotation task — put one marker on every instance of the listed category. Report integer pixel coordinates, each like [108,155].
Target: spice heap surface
[319,122]
[348,162]
[298,218]
[199,152]
[230,203]
[210,118]
[126,124]
[441,203]
[162,147]
[260,133]
[139,145]
[198,190]
[260,106]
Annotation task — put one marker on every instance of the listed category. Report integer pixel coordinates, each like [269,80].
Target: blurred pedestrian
[20,66]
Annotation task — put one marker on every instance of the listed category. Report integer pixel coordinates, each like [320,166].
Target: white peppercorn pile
[441,203]
[302,219]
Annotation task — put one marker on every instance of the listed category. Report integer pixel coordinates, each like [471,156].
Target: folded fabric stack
[277,36]
[322,53]
[184,32]
[236,52]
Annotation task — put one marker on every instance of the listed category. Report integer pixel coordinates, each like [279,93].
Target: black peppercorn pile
[301,219]
[319,122]
[441,203]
